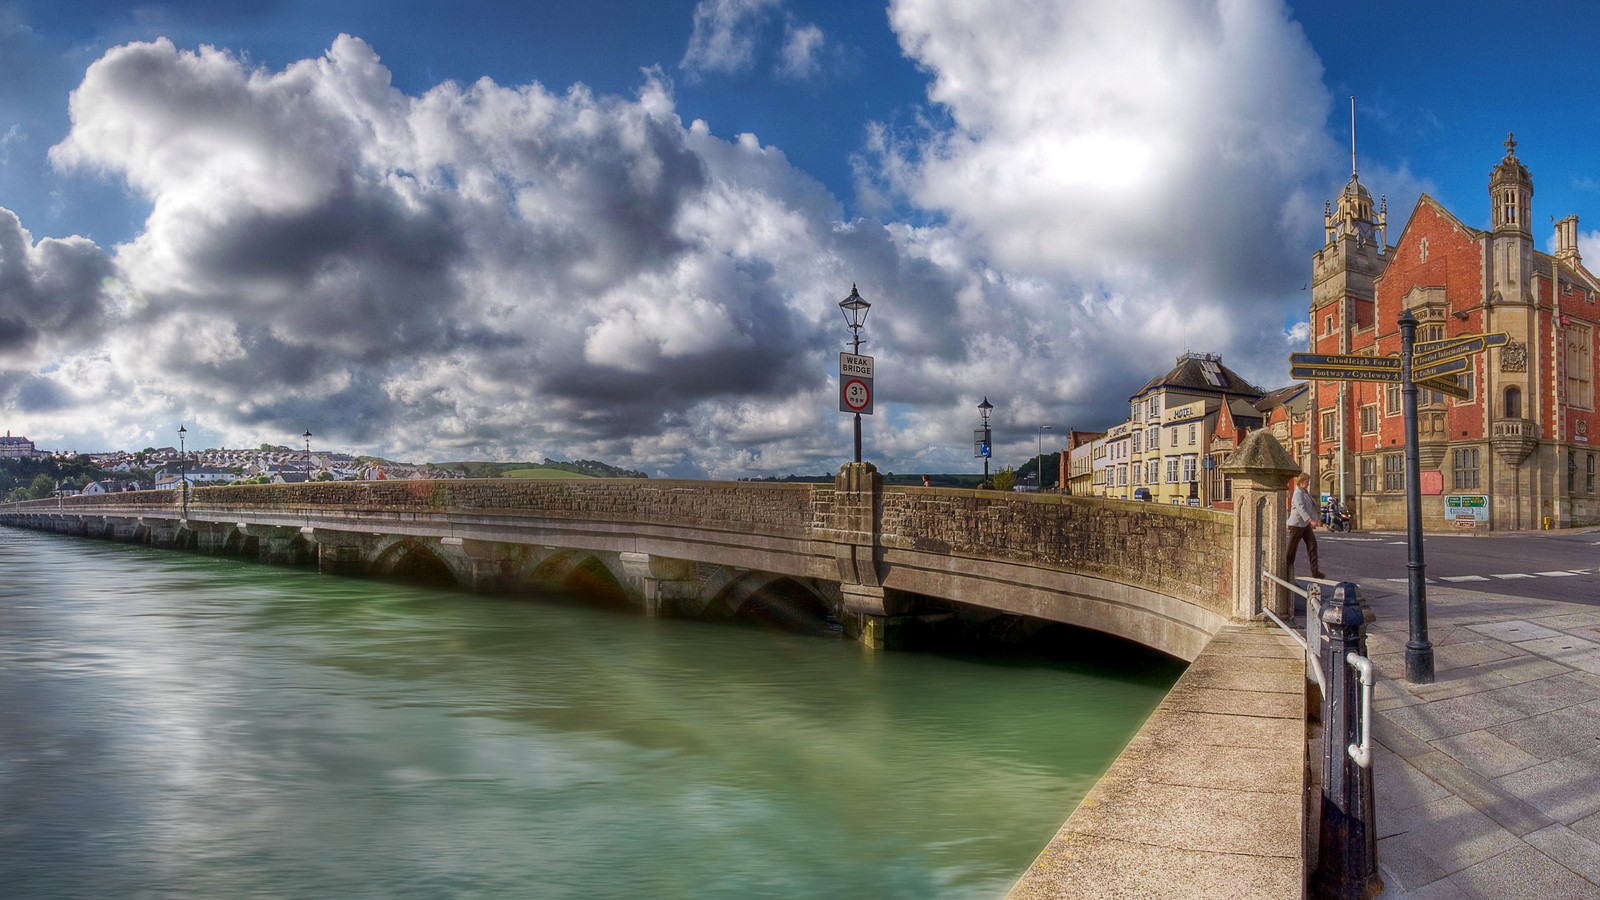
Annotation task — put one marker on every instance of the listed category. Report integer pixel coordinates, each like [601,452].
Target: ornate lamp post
[981,438]
[855,311]
[1040,473]
[183,468]
[307,436]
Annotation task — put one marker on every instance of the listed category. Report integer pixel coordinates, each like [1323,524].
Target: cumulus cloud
[514,271]
[802,50]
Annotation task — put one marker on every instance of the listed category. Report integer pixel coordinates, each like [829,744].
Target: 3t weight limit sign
[855,395]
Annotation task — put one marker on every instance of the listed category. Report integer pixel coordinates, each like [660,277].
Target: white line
[1397,542]
[1462,578]
[1555,574]
[1510,575]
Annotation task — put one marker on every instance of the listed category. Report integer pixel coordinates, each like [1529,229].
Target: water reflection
[181,726]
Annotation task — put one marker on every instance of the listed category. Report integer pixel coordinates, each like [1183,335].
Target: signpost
[855,384]
[1426,365]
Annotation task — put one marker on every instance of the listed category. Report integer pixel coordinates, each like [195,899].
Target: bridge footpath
[1224,756]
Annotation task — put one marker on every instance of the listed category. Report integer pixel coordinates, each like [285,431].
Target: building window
[1589,484]
[1138,441]
[1579,360]
[1154,409]
[1154,471]
[1155,437]
[1191,434]
[1189,470]
[1369,474]
[1122,476]
[1327,426]
[1513,402]
[1572,473]
[1227,487]
[1138,413]
[1394,472]
[1466,384]
[1369,419]
[1172,438]
[1391,399]
[1464,462]
[1172,470]
[1426,333]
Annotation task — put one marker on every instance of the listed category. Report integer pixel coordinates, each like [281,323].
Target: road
[1552,565]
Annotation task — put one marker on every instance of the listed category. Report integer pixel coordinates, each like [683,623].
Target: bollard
[1347,863]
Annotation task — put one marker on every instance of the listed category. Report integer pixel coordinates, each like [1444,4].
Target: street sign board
[853,365]
[855,395]
[1466,345]
[1445,384]
[1345,361]
[1472,507]
[1491,339]
[1335,373]
[1420,374]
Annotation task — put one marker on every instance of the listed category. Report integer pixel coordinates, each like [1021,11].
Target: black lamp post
[1040,473]
[984,447]
[855,311]
[183,469]
[307,436]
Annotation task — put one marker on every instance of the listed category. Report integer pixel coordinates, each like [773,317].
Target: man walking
[1302,525]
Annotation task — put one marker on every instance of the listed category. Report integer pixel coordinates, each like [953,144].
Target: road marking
[1407,580]
[1397,542]
[1510,575]
[1555,574]
[1462,578]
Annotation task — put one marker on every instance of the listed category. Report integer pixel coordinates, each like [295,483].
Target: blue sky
[628,242]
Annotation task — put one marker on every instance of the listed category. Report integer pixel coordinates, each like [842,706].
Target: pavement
[1487,782]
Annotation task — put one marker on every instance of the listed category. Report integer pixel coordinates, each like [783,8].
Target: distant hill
[550,468]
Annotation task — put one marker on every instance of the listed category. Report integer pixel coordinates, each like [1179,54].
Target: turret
[1511,243]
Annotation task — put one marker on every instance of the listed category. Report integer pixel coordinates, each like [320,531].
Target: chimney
[1567,241]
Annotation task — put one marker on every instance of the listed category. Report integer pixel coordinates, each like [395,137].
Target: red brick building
[1524,441]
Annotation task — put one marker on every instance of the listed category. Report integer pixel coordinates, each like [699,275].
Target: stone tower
[1511,241]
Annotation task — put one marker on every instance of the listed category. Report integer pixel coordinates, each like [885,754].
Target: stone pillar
[338,552]
[490,564]
[1261,470]
[278,545]
[159,532]
[867,611]
[670,586]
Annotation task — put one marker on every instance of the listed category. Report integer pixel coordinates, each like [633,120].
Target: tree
[1005,479]
[43,486]
[323,476]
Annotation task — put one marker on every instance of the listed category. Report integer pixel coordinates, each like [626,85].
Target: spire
[1354,215]
[1352,137]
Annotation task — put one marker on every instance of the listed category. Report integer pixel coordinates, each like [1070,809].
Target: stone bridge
[886,560]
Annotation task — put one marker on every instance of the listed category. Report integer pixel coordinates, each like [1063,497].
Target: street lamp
[982,446]
[183,470]
[1040,473]
[855,311]
[307,436]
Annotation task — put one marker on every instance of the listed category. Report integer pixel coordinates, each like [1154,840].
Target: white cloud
[510,271]
[802,51]
[725,35]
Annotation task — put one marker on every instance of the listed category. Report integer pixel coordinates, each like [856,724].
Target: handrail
[1311,658]
[1362,753]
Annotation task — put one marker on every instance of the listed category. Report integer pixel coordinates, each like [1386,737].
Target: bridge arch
[775,601]
[586,575]
[408,559]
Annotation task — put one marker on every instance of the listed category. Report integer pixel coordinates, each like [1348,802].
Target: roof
[1279,397]
[1201,372]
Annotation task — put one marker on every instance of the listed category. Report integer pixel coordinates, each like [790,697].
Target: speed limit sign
[855,395]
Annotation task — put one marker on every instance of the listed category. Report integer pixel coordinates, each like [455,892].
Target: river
[175,725]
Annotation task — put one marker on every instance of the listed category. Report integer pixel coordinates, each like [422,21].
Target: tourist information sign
[1333,373]
[1348,361]
[1431,352]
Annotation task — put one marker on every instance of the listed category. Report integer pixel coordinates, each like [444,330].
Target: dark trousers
[1298,533]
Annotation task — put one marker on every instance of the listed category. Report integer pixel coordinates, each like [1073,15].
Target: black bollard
[1347,860]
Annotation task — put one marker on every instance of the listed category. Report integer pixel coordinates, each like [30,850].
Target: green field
[541,472]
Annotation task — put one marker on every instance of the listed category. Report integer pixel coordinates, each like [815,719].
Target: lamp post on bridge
[183,468]
[981,443]
[1040,472]
[855,370]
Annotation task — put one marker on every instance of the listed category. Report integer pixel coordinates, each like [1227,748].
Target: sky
[620,229]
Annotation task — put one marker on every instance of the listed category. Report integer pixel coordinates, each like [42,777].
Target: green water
[174,725]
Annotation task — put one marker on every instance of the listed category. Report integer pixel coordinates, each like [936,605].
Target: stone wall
[1178,551]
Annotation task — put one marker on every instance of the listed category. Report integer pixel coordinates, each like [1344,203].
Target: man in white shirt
[1302,525]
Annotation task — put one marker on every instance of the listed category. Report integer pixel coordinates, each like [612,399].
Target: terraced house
[1518,449]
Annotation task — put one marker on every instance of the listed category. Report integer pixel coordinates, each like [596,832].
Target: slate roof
[1193,373]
